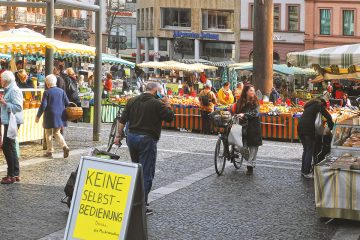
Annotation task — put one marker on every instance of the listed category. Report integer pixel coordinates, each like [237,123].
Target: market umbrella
[28,42]
[279,68]
[107,58]
[151,65]
[199,67]
[23,41]
[63,48]
[341,56]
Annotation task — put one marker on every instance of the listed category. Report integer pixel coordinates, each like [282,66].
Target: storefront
[209,30]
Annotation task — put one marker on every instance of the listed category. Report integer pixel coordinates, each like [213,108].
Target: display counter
[273,127]
[279,127]
[29,130]
[337,178]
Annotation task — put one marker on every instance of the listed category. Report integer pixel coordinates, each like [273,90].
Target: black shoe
[149,211]
[250,170]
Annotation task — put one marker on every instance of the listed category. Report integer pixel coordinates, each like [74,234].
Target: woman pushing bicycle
[247,109]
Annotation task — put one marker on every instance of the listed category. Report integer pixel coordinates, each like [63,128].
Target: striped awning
[206,62]
[341,56]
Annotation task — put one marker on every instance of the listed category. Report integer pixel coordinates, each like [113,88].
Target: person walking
[247,108]
[53,106]
[207,100]
[225,95]
[144,115]
[11,103]
[307,134]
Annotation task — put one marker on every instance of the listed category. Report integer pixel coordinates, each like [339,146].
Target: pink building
[331,23]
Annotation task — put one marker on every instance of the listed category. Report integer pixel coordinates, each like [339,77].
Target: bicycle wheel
[112,135]
[219,157]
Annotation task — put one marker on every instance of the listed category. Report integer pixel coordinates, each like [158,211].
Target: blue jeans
[143,149]
[309,147]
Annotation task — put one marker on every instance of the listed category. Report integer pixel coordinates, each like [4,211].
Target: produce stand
[187,118]
[279,127]
[337,178]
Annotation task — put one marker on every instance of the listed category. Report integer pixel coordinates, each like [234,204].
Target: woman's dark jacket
[306,125]
[72,90]
[252,136]
[53,107]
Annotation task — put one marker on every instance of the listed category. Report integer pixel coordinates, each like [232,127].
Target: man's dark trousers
[143,149]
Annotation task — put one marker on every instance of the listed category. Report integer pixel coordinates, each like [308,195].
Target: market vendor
[22,79]
[108,84]
[238,90]
[225,95]
[346,101]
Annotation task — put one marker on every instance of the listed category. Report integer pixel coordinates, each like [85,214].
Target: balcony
[40,19]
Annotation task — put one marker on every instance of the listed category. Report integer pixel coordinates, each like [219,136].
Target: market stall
[31,131]
[337,178]
[26,43]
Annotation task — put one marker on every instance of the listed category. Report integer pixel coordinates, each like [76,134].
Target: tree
[113,7]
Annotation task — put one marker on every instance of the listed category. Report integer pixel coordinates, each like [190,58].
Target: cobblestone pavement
[76,135]
[274,203]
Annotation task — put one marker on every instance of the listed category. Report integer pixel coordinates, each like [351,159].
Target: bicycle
[223,151]
[114,127]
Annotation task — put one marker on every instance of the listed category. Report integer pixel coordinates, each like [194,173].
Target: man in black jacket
[144,115]
[307,134]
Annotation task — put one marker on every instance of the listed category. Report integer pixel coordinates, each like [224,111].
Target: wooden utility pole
[263,45]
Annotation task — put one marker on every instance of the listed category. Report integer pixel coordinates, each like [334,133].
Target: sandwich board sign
[108,202]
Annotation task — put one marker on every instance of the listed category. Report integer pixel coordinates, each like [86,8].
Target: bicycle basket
[221,118]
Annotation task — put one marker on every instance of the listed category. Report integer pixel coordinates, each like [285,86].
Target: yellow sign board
[102,205]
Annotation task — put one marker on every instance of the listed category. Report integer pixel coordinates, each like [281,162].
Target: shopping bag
[319,126]
[12,128]
[235,135]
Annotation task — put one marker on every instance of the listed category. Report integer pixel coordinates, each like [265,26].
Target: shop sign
[103,200]
[212,36]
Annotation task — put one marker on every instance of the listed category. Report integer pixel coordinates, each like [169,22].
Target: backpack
[205,100]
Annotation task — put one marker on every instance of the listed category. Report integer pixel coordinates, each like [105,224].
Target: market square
[168,119]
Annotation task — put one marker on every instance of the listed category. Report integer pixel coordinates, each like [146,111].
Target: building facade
[121,22]
[70,25]
[208,29]
[331,23]
[289,28]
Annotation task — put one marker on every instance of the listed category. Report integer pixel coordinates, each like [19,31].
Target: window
[138,19]
[277,22]
[176,17]
[348,22]
[142,23]
[151,18]
[325,21]
[251,16]
[293,18]
[217,19]
[163,44]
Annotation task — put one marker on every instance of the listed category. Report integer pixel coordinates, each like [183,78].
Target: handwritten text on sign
[102,205]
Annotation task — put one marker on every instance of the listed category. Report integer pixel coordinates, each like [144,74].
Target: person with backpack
[207,100]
